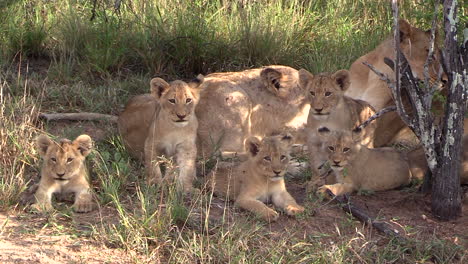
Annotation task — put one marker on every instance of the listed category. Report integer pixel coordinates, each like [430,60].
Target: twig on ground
[79,117]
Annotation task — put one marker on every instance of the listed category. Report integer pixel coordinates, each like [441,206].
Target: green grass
[54,58]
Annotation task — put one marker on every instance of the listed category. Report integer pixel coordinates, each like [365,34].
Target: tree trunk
[446,199]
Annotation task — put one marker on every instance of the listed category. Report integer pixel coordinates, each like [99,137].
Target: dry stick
[348,207]
[79,117]
[375,116]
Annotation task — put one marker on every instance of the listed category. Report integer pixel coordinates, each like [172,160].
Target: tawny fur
[357,167]
[64,171]
[418,162]
[173,130]
[367,86]
[331,108]
[256,102]
[260,179]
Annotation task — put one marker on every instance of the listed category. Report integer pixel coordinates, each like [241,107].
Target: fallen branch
[79,117]
[348,207]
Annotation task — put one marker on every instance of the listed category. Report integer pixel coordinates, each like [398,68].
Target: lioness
[357,167]
[256,102]
[367,86]
[259,179]
[173,129]
[418,162]
[64,170]
[331,108]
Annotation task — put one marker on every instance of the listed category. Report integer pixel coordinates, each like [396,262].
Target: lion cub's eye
[188,100]
[267,158]
[69,160]
[312,93]
[331,148]
[172,101]
[345,149]
[53,159]
[283,157]
[328,94]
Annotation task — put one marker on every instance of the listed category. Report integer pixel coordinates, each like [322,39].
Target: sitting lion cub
[329,107]
[173,129]
[64,170]
[358,167]
[259,179]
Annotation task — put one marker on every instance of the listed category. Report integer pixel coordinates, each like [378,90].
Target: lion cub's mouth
[276,178]
[337,167]
[60,179]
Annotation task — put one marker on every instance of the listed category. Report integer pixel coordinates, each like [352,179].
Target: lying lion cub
[357,167]
[64,170]
[173,130]
[329,107]
[260,179]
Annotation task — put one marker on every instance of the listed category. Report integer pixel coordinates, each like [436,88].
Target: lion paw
[293,209]
[42,207]
[83,206]
[323,191]
[271,215]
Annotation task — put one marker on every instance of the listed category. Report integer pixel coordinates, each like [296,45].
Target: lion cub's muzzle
[60,177]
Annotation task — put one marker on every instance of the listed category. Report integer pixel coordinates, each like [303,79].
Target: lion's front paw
[270,215]
[83,206]
[42,207]
[293,209]
[325,191]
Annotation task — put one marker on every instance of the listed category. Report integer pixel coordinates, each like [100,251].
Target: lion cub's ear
[304,78]
[43,143]
[252,145]
[84,144]
[196,83]
[158,87]
[356,135]
[405,29]
[271,78]
[342,79]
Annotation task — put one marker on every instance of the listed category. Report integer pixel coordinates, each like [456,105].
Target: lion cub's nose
[318,110]
[181,116]
[60,174]
[337,162]
[277,172]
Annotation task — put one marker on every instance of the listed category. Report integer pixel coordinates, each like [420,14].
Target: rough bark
[446,198]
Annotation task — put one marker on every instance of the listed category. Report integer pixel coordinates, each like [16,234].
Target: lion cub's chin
[337,168]
[180,123]
[276,178]
[321,117]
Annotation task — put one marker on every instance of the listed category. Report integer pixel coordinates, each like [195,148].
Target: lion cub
[358,167]
[260,179]
[173,129]
[331,108]
[64,170]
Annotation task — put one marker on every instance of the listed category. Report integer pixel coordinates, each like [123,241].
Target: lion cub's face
[341,147]
[324,90]
[270,156]
[63,159]
[177,99]
[414,43]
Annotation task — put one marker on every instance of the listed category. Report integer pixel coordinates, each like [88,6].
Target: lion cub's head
[279,81]
[414,43]
[177,99]
[64,159]
[270,156]
[341,147]
[324,90]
